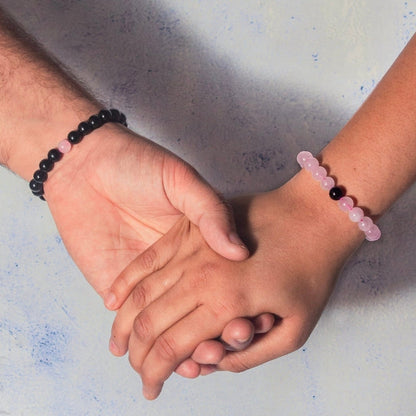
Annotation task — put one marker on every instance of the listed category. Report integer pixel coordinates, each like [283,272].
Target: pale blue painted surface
[236,88]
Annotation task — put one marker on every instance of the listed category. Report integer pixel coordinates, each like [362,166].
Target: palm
[113,199]
[115,206]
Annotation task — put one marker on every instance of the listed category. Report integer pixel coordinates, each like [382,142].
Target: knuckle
[234,305]
[165,348]
[222,310]
[148,260]
[140,296]
[122,283]
[142,327]
[203,277]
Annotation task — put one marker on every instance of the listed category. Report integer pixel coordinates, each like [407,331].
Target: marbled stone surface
[237,88]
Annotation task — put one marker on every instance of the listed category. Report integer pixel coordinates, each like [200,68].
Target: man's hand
[116,193]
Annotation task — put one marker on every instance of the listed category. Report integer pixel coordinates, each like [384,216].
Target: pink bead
[356,214]
[64,146]
[318,173]
[346,203]
[365,224]
[311,164]
[302,157]
[373,234]
[327,183]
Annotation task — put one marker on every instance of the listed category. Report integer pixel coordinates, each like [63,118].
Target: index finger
[150,261]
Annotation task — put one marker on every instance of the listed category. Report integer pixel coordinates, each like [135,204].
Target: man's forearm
[39,102]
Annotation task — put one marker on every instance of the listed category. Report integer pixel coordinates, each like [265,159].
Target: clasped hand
[116,194]
[180,292]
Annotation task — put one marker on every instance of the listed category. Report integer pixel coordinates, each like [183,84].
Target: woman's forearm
[374,156]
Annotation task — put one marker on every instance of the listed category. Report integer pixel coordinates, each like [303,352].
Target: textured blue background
[237,88]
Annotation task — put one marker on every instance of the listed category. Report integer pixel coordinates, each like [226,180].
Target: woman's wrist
[315,217]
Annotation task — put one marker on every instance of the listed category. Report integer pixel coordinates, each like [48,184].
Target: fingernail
[235,239]
[244,341]
[110,300]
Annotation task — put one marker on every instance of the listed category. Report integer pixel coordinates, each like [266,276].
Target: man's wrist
[31,140]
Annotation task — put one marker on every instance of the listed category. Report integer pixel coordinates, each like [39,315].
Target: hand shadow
[242,131]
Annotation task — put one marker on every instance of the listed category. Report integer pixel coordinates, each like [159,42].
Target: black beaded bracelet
[74,137]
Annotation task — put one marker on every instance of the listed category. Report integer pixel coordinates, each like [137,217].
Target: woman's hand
[186,293]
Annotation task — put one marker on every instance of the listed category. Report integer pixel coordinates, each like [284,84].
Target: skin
[177,297]
[115,193]
[299,241]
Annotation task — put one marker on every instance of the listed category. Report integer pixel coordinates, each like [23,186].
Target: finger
[203,360]
[188,369]
[284,338]
[173,346]
[165,311]
[237,334]
[263,323]
[142,295]
[189,193]
[209,352]
[151,260]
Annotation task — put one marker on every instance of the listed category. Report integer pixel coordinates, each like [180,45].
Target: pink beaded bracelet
[356,214]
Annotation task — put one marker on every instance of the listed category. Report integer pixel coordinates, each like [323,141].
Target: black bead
[336,193]
[95,122]
[74,137]
[115,115]
[122,119]
[104,116]
[55,155]
[84,128]
[42,198]
[46,165]
[36,186]
[38,193]
[40,176]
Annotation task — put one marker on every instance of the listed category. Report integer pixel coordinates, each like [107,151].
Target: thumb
[194,197]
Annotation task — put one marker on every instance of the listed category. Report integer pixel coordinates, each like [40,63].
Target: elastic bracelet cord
[74,137]
[346,204]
